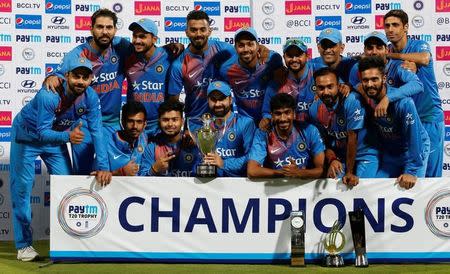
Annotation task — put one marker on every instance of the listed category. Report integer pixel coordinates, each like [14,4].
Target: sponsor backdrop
[35,35]
[188,220]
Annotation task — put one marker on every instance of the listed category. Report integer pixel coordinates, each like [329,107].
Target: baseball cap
[79,62]
[294,43]
[331,34]
[145,24]
[220,86]
[246,30]
[376,34]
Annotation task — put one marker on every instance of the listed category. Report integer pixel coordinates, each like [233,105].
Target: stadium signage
[442,5]
[297,7]
[5,5]
[211,8]
[358,6]
[147,8]
[235,23]
[58,6]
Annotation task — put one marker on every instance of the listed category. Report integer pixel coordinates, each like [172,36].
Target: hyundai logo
[28,84]
[58,20]
[358,20]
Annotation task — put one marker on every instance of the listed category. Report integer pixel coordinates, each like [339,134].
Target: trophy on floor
[297,219]
[206,137]
[359,237]
[333,243]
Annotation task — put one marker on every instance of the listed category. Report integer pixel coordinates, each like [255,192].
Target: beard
[103,45]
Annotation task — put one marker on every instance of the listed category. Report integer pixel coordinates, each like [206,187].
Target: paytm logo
[58,6]
[24,21]
[323,22]
[211,8]
[358,6]
[5,134]
[50,68]
[174,23]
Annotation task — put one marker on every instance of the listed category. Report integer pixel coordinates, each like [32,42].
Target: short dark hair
[282,100]
[104,13]
[170,105]
[371,62]
[133,108]
[325,71]
[197,15]
[401,14]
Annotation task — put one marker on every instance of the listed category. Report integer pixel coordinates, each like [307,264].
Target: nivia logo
[58,6]
[58,20]
[24,21]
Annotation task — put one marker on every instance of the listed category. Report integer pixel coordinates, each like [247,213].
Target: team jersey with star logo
[120,152]
[193,73]
[303,144]
[343,68]
[249,86]
[347,114]
[108,71]
[303,90]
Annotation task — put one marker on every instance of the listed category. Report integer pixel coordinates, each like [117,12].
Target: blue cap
[331,34]
[79,62]
[220,86]
[377,34]
[145,24]
[294,43]
[246,30]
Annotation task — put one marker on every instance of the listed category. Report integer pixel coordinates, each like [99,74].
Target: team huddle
[376,116]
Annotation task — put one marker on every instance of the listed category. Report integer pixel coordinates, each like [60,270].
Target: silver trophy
[297,219]
[206,136]
[359,237]
[333,243]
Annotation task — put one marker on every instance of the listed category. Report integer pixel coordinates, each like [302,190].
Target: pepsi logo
[349,6]
[19,21]
[49,5]
[168,23]
[319,22]
[49,69]
[198,7]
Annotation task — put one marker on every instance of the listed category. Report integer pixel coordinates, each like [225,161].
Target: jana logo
[58,6]
[358,6]
[82,213]
[437,214]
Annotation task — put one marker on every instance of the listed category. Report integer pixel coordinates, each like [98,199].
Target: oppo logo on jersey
[230,152]
[251,93]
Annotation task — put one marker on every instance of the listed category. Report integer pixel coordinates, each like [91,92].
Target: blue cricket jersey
[49,116]
[303,144]
[249,86]
[343,68]
[193,73]
[120,152]
[347,114]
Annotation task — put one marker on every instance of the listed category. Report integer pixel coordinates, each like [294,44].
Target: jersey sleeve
[315,140]
[147,161]
[354,78]
[117,158]
[258,151]
[411,85]
[270,92]
[175,85]
[47,102]
[354,112]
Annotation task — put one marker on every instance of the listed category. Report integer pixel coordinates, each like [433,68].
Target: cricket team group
[375,116]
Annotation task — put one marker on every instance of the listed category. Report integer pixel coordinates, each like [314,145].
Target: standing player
[236,132]
[428,103]
[166,156]
[126,146]
[42,128]
[247,75]
[286,151]
[299,82]
[404,143]
[341,119]
[146,71]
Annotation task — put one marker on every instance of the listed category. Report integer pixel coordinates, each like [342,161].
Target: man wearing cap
[401,82]
[350,152]
[146,71]
[42,128]
[428,103]
[126,146]
[286,150]
[235,133]
[299,82]
[247,75]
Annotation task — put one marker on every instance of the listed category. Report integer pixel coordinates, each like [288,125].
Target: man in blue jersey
[403,141]
[350,153]
[428,103]
[286,150]
[247,75]
[401,81]
[235,133]
[126,146]
[167,155]
[42,128]
[146,71]
[299,83]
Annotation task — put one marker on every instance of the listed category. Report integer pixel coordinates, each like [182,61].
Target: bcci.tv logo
[358,6]
[82,213]
[24,21]
[175,23]
[323,22]
[211,8]
[58,6]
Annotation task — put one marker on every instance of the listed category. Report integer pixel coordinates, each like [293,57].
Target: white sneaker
[27,254]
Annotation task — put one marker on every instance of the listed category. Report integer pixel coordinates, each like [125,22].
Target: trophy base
[361,260]
[204,170]
[333,260]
